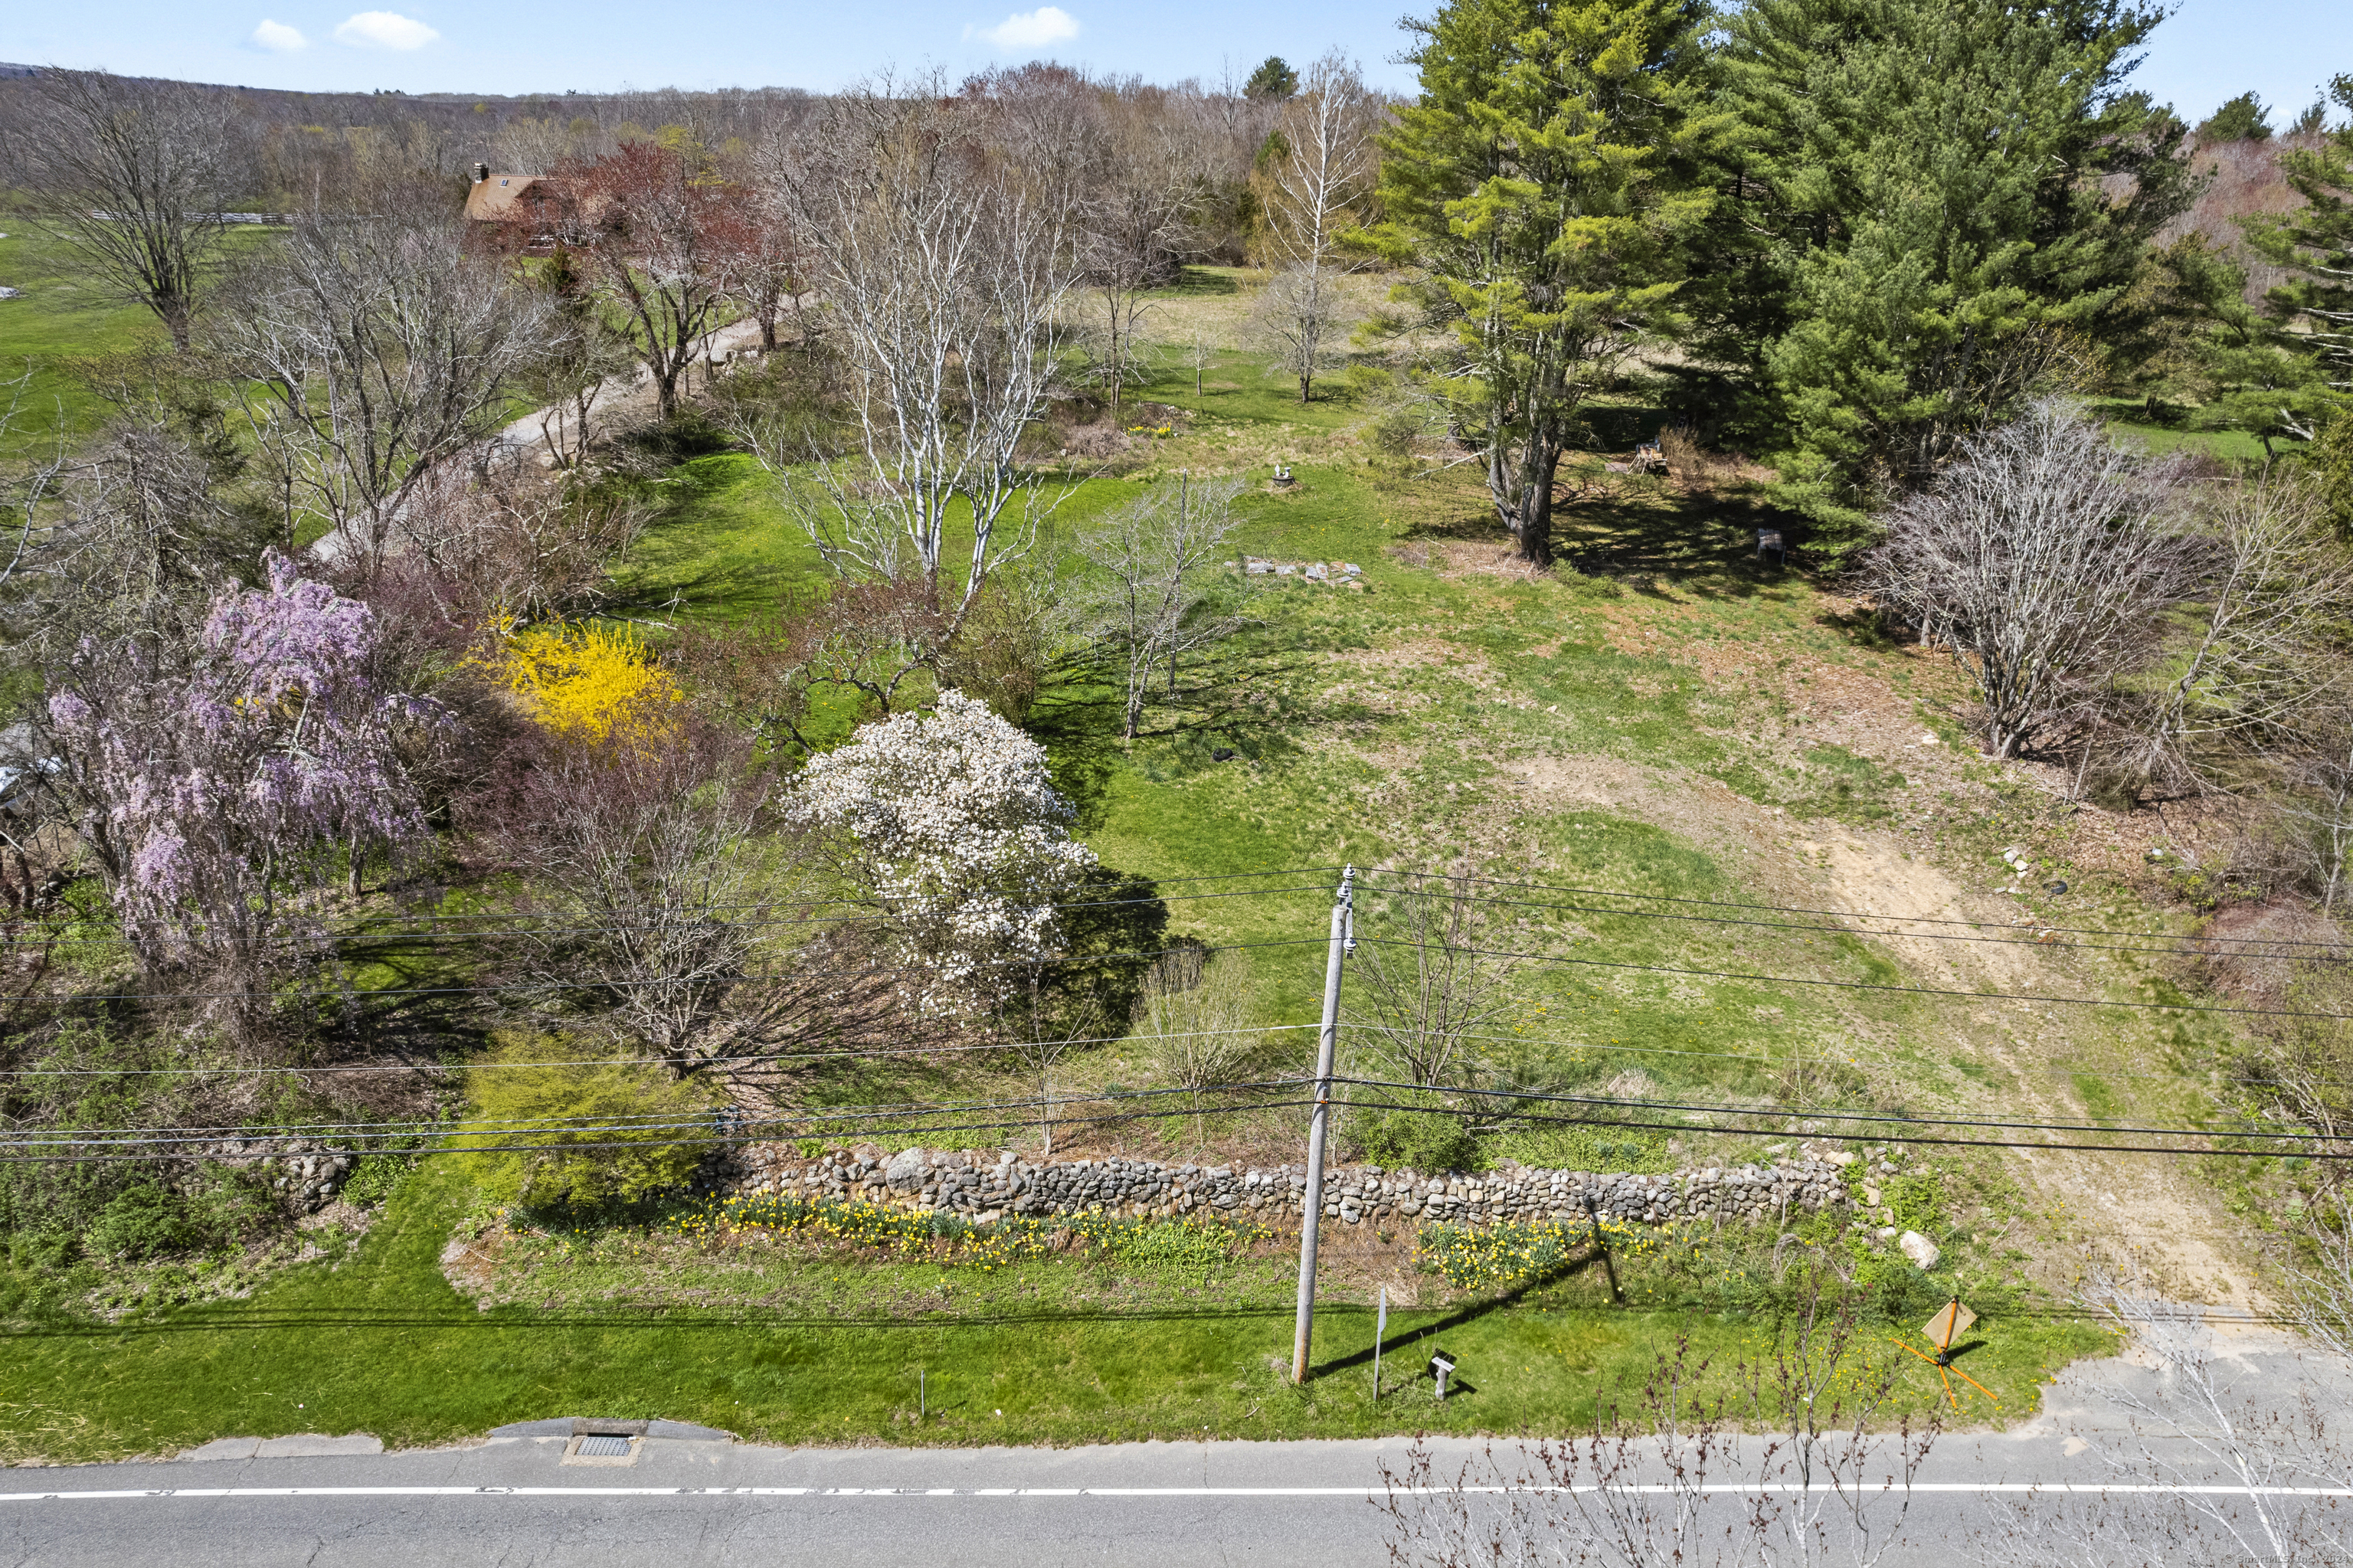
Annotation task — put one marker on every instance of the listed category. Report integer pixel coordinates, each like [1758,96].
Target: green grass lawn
[2128,419]
[381,1343]
[59,312]
[1349,753]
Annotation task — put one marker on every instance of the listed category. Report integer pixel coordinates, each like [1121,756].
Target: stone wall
[306,1176]
[985,1186]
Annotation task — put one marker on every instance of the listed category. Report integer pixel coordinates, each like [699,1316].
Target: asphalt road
[685,1496]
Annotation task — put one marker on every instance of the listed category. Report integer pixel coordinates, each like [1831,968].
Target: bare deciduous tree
[2212,1472]
[26,487]
[1313,192]
[379,351]
[2249,681]
[519,542]
[1113,334]
[943,285]
[139,541]
[2318,801]
[2043,558]
[1197,352]
[1302,318]
[1151,553]
[660,232]
[660,888]
[577,354]
[1194,1022]
[133,175]
[528,147]
[1427,990]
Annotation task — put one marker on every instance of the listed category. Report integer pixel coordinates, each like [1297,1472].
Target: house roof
[496,199]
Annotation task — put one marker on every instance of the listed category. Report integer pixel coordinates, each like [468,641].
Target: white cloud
[278,38]
[1029,29]
[384,30]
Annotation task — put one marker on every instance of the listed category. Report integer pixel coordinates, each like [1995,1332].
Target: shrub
[1431,1139]
[589,683]
[45,1251]
[146,1222]
[592,1126]
[374,1177]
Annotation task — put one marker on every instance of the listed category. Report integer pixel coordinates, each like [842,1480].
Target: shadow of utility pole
[1472,1312]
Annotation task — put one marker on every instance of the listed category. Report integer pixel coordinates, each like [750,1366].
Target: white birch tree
[1313,192]
[943,285]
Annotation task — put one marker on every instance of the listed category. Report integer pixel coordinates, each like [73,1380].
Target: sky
[2206,52]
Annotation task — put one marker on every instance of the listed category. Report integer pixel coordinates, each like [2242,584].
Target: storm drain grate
[598,1445]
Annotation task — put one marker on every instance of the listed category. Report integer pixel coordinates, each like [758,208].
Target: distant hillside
[2245,181]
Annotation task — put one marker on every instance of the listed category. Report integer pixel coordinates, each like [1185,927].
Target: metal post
[1380,1332]
[1312,1220]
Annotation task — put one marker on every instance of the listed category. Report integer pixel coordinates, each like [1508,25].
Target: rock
[1919,1249]
[908,1170]
[1870,1195]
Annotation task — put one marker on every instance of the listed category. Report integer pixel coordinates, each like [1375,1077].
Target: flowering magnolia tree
[950,825]
[210,778]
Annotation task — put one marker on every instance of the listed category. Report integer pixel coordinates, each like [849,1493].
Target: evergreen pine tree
[2216,349]
[1922,227]
[1273,80]
[2243,119]
[1538,184]
[2314,309]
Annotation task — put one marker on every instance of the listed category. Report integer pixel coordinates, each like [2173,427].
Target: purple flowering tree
[215,779]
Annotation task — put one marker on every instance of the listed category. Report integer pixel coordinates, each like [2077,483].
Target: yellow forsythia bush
[588,683]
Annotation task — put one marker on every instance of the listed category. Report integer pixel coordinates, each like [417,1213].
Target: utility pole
[1343,939]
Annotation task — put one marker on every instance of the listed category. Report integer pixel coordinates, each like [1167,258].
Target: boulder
[908,1170]
[1919,1249]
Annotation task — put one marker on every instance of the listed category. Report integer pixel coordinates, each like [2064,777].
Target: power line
[1616,1048]
[704,1142]
[1795,909]
[1548,958]
[2190,947]
[1182,1112]
[763,1060]
[1867,985]
[1814,1114]
[731,1131]
[419,1128]
[608,983]
[2334,951]
[379,934]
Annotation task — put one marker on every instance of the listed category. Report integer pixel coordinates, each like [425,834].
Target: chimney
[481,173]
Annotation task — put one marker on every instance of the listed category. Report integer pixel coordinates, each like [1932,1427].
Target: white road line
[1981,1488]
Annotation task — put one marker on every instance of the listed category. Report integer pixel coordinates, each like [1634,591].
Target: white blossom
[955,831]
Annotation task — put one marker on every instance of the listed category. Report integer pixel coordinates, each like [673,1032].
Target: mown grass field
[59,312]
[831,1352]
[63,312]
